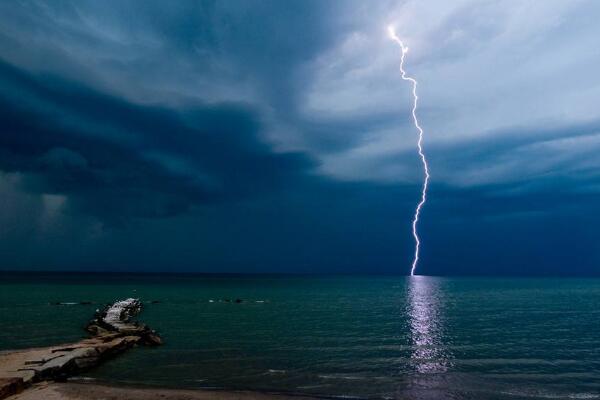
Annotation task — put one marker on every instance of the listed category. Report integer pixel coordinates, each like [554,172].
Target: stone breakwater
[112,332]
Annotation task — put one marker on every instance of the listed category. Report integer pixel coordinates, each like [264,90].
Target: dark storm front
[376,337]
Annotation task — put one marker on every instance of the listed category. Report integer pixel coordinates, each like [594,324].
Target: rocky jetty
[113,331]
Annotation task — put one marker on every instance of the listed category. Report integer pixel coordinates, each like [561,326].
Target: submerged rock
[70,303]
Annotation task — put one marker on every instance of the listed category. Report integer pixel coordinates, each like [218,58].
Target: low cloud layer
[112,158]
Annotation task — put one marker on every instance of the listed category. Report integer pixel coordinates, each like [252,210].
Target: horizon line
[289,273]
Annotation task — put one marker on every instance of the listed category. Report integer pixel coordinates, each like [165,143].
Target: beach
[86,391]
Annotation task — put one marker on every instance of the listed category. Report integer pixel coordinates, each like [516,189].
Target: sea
[363,337]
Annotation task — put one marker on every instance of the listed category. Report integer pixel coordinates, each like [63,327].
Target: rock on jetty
[117,319]
[113,332]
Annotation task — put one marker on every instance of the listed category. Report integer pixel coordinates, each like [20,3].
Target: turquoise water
[359,336]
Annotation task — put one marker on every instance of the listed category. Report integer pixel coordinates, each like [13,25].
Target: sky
[275,136]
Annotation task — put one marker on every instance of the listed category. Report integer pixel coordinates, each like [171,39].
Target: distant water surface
[357,336]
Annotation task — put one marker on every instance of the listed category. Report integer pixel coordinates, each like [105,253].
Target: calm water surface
[366,337]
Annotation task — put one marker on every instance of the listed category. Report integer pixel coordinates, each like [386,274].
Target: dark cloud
[276,136]
[115,158]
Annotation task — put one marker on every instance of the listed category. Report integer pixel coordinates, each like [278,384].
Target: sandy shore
[88,391]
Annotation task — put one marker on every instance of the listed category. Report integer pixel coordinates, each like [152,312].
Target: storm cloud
[276,136]
[114,158]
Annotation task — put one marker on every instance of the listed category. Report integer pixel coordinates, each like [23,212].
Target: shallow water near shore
[352,336]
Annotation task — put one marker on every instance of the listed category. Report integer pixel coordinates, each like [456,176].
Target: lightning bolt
[395,38]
